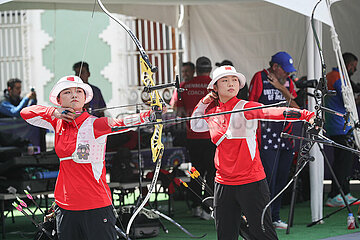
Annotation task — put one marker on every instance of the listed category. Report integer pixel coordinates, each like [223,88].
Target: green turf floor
[333,226]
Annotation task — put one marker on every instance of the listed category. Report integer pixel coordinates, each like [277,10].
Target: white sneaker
[196,212]
[205,216]
[280,225]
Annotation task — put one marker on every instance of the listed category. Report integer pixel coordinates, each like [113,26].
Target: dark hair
[81,64]
[272,64]
[12,81]
[203,65]
[224,63]
[189,64]
[349,58]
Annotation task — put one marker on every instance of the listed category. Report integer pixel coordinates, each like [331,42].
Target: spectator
[187,74]
[201,149]
[334,125]
[11,103]
[81,69]
[270,86]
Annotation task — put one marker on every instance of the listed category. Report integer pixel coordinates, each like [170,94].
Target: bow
[157,148]
[319,94]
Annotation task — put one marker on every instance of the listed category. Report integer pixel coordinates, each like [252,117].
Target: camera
[303,82]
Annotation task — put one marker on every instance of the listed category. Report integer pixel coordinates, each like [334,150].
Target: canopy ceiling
[159,10]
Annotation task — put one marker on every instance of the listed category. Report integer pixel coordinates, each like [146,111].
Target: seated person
[11,103]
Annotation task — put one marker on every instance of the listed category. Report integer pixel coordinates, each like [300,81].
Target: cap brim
[289,68]
[240,76]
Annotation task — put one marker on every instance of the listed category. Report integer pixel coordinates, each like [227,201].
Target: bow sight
[175,84]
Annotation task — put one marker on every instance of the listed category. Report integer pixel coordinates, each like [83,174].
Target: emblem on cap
[291,61]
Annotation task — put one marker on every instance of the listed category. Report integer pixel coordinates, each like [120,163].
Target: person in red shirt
[270,86]
[240,181]
[83,198]
[199,145]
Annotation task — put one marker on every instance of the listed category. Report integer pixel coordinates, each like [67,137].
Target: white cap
[68,82]
[223,71]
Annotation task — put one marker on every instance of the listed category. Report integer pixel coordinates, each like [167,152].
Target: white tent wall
[250,33]
[247,34]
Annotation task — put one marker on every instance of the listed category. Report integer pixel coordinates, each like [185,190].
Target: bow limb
[157,147]
[177,224]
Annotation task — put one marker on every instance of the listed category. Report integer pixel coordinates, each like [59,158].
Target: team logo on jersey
[83,151]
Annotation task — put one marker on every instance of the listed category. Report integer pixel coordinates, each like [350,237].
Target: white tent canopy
[246,32]
[160,10]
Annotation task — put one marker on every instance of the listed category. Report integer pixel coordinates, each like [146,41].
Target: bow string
[157,148]
[312,130]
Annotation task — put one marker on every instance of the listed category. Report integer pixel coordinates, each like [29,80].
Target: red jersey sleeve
[256,87]
[103,125]
[276,113]
[39,116]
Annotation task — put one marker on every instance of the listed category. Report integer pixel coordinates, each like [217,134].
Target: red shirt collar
[228,104]
[80,119]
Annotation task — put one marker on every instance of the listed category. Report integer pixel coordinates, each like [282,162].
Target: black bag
[145,225]
[122,169]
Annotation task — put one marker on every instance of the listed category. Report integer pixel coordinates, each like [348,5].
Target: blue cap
[284,60]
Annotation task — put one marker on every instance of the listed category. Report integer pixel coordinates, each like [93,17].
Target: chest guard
[88,149]
[241,128]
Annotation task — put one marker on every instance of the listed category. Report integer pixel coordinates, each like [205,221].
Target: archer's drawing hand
[211,96]
[66,114]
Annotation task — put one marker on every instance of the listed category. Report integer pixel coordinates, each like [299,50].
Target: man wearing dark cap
[243,92]
[81,69]
[201,149]
[270,86]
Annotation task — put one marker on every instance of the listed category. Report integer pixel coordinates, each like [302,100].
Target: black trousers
[202,152]
[91,224]
[277,166]
[342,165]
[248,199]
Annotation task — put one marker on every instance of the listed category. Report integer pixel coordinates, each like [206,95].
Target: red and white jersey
[80,146]
[237,157]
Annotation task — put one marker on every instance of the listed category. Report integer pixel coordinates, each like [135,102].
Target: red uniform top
[237,157]
[80,146]
[196,90]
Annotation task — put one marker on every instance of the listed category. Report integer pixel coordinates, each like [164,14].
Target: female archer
[83,198]
[240,181]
